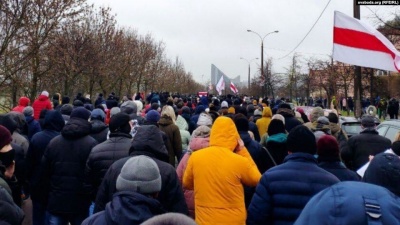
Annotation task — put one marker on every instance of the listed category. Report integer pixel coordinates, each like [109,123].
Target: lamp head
[277,31]
[248,30]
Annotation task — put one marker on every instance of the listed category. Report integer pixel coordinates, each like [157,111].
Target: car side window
[391,133]
[382,130]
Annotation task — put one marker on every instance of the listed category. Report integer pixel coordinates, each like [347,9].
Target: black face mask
[7,158]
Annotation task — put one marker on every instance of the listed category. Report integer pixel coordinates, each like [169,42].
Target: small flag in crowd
[233,88]
[220,85]
[358,43]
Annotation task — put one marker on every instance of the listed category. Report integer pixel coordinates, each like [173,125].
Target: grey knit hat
[139,174]
[204,119]
[28,111]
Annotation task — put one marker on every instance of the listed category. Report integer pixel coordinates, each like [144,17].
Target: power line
[326,6]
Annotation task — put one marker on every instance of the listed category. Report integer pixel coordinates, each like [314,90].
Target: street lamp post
[248,61]
[262,51]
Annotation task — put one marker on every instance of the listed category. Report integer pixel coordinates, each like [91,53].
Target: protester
[350,203]
[66,111]
[32,125]
[316,113]
[219,194]
[290,120]
[329,159]
[200,139]
[22,103]
[53,125]
[275,144]
[42,102]
[105,154]
[167,125]
[63,163]
[148,141]
[137,187]
[263,123]
[130,108]
[384,170]
[285,189]
[361,146]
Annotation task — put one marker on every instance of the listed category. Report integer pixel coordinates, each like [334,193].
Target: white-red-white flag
[358,43]
[220,85]
[233,88]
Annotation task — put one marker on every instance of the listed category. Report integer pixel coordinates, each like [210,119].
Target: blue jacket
[126,207]
[33,126]
[284,190]
[352,202]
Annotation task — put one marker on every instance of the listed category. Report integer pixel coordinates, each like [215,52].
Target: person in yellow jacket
[217,175]
[263,123]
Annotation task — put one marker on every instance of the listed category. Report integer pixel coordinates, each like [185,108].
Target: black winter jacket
[126,208]
[53,124]
[361,146]
[147,141]
[64,163]
[103,156]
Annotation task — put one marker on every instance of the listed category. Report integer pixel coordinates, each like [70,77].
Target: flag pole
[357,72]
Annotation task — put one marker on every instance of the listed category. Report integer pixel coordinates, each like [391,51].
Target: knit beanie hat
[301,139]
[224,104]
[276,126]
[28,111]
[328,148]
[204,119]
[368,121]
[114,111]
[284,106]
[66,109]
[120,122]
[139,174]
[231,110]
[5,136]
[153,116]
[45,93]
[77,103]
[80,112]
[98,114]
[384,170]
[242,124]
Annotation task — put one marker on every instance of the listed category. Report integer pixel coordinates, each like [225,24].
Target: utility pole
[357,72]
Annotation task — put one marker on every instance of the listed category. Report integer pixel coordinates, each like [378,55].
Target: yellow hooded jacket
[217,174]
[263,122]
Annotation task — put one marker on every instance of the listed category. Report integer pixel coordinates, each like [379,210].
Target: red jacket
[23,102]
[39,104]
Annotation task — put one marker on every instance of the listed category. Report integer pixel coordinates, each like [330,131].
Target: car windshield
[352,128]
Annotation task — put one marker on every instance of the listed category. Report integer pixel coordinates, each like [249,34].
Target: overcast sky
[205,32]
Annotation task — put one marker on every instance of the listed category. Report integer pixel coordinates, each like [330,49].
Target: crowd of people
[162,159]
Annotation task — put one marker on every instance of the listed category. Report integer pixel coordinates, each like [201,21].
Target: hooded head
[54,121]
[224,133]
[204,119]
[8,122]
[267,112]
[120,123]
[148,139]
[241,122]
[24,101]
[66,109]
[5,136]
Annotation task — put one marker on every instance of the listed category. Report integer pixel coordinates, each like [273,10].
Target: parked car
[389,129]
[352,125]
